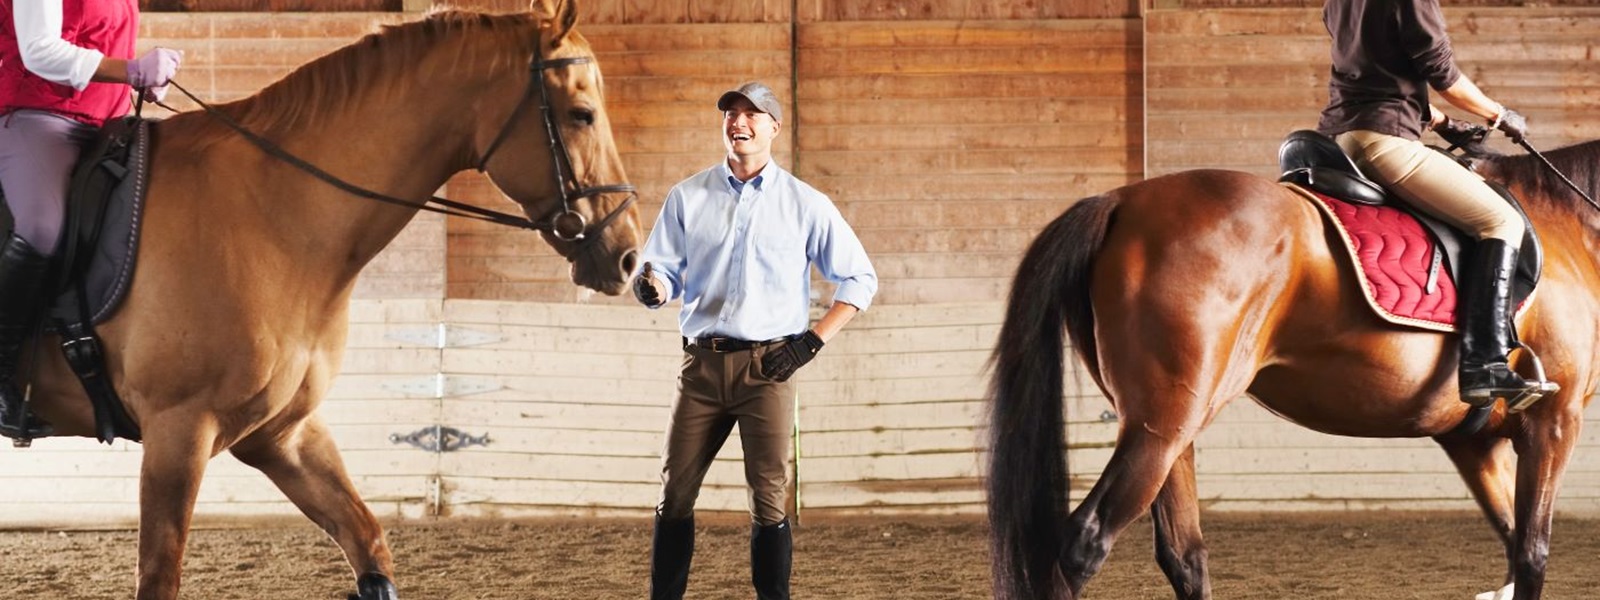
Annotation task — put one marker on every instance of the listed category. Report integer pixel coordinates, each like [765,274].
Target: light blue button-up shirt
[740,253]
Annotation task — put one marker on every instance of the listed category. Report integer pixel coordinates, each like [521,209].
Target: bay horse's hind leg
[1162,403]
[1180,548]
[304,463]
[1486,466]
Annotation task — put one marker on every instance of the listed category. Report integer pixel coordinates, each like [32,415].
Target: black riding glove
[780,363]
[645,288]
[1461,134]
[1513,124]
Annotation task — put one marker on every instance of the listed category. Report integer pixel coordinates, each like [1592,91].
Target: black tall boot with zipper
[1487,337]
[22,272]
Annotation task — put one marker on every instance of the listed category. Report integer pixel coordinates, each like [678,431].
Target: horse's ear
[558,16]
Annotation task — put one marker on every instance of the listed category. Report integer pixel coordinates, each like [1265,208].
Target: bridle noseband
[567,225]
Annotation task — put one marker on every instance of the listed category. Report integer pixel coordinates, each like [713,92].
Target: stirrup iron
[1543,387]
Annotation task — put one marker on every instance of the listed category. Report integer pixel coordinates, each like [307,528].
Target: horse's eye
[583,116]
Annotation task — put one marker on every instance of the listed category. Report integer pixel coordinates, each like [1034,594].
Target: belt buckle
[718,344]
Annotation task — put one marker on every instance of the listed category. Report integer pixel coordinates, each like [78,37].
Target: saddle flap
[100,234]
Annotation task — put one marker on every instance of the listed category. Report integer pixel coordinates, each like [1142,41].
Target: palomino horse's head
[546,142]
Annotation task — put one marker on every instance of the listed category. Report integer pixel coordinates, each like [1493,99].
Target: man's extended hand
[781,362]
[645,288]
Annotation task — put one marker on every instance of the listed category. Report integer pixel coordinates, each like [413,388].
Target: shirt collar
[759,180]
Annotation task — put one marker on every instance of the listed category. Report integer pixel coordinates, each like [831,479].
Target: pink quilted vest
[110,26]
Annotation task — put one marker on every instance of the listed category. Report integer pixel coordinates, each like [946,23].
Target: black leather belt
[725,344]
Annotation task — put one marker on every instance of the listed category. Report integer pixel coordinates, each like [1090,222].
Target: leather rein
[567,225]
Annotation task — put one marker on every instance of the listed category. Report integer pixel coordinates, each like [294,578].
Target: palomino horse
[235,323]
[1183,292]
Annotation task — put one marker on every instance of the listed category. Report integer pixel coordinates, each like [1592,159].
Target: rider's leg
[1439,185]
[37,153]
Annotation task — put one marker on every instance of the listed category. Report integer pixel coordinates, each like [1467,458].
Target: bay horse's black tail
[1027,481]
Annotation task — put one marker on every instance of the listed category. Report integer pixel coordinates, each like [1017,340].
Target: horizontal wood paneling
[899,10]
[947,144]
[1227,85]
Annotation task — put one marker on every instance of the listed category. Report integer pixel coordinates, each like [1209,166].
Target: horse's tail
[1027,481]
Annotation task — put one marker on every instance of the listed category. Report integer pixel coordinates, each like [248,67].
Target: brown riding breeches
[1434,183]
[715,392]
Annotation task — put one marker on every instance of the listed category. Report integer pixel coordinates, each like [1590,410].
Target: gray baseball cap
[758,94]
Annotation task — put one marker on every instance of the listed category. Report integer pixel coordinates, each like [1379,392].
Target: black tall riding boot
[771,555]
[671,551]
[1486,334]
[22,271]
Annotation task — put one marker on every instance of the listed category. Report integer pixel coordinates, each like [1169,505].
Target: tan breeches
[1433,183]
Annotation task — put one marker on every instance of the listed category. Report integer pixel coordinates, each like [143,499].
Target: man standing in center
[737,242]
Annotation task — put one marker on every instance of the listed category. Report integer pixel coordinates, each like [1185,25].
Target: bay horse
[235,322]
[1183,292]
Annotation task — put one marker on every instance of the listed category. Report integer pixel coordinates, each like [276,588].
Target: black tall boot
[771,556]
[1486,334]
[671,551]
[22,271]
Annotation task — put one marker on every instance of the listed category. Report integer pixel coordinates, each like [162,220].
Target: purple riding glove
[150,73]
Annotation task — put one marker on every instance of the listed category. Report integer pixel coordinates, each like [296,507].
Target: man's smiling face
[746,131]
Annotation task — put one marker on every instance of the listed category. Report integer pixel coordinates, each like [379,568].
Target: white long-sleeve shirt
[44,52]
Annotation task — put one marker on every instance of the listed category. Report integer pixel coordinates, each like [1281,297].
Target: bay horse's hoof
[375,586]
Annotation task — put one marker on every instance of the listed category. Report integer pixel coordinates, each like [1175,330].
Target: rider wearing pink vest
[110,29]
[65,69]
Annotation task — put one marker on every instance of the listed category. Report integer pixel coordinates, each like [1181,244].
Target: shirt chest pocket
[779,258]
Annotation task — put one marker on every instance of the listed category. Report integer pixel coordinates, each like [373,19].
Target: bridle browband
[567,225]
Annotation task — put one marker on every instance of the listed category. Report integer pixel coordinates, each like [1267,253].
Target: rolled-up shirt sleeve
[1429,45]
[839,256]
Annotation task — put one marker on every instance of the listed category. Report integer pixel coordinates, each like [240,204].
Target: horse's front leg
[1180,547]
[1544,446]
[176,450]
[304,463]
[1485,464]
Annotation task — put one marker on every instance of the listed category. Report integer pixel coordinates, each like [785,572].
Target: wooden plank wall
[947,145]
[1227,85]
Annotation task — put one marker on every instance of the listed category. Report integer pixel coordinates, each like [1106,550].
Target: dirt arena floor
[1299,556]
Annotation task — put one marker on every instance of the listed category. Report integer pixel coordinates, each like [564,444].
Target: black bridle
[561,168]
[566,225]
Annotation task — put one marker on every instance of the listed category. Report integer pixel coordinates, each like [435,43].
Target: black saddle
[1313,161]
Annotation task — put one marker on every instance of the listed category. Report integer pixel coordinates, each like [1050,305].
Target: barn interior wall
[948,132]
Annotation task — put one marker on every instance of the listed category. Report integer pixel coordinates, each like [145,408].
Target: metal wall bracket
[438,439]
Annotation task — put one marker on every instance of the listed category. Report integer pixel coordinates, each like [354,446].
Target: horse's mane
[1579,162]
[384,60]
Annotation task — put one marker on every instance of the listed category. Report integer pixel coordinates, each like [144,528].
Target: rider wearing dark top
[1386,55]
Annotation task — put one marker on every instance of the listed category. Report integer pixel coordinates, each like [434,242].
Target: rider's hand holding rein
[149,73]
[1512,123]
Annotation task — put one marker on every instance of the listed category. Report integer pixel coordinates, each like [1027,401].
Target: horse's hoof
[374,586]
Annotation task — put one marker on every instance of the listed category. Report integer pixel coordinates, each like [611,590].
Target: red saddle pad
[1395,259]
